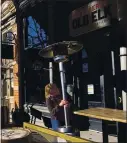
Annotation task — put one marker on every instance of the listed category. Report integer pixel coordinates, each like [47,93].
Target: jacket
[56,111]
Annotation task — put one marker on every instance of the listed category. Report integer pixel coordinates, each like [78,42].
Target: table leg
[122,133]
[105,131]
[126,132]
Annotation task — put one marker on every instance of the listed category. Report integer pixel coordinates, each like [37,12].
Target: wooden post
[122,137]
[108,82]
[20,37]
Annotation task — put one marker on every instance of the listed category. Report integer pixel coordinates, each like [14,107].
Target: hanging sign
[90,17]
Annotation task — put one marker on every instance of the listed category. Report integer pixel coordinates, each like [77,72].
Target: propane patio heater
[60,52]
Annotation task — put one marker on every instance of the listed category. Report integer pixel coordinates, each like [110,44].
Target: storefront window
[90,89]
[85,62]
[37,39]
[84,54]
[36,35]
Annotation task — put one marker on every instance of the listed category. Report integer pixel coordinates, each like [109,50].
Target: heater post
[51,72]
[62,76]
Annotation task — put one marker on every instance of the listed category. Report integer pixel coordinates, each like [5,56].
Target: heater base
[69,130]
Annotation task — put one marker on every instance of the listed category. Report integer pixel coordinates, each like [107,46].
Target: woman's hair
[50,87]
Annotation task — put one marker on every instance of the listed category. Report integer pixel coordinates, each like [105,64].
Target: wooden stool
[15,135]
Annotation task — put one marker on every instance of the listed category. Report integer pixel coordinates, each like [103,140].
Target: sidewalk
[92,135]
[96,136]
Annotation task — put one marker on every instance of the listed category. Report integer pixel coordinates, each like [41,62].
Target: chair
[35,114]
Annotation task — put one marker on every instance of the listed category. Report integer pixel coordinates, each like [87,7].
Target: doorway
[98,63]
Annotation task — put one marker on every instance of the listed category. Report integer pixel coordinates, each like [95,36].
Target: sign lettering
[93,16]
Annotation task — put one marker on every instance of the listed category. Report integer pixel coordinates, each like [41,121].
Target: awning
[6,19]
[23,4]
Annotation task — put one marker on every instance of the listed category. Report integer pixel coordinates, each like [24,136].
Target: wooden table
[105,114]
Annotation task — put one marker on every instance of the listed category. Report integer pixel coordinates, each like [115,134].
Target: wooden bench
[50,135]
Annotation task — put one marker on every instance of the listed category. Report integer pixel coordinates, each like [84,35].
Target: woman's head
[51,90]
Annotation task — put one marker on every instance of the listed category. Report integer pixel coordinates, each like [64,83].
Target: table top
[104,114]
[15,134]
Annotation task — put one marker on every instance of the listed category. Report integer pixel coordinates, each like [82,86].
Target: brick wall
[15,70]
[16,85]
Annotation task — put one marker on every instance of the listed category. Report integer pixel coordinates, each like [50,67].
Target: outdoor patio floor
[92,135]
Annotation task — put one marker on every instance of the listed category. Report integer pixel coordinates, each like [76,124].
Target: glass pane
[90,88]
[36,34]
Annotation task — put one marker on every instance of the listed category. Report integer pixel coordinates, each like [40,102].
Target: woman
[55,105]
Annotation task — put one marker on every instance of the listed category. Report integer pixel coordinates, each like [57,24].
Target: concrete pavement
[92,135]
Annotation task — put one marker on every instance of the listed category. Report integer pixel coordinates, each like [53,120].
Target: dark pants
[56,124]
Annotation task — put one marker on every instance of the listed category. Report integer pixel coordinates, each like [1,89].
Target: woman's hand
[64,102]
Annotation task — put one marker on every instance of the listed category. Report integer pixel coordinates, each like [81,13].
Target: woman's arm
[53,110]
